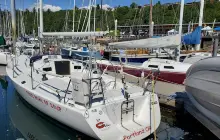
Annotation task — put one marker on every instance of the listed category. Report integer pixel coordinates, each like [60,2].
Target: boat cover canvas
[206,64]
[192,38]
[161,42]
[2,41]
[207,28]
[217,29]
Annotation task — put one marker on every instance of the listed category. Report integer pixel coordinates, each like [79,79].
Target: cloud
[104,7]
[52,8]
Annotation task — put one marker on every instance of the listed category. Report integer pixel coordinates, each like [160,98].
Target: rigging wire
[80,16]
[136,11]
[113,11]
[84,20]
[89,17]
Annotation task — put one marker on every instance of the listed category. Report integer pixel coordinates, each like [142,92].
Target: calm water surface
[20,121]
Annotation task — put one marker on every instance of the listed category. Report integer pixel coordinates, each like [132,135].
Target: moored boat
[86,100]
[202,85]
[82,52]
[169,70]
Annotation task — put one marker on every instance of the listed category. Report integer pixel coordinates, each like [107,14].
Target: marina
[178,119]
[103,72]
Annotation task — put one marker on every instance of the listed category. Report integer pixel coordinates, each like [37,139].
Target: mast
[151,19]
[89,18]
[41,25]
[13,21]
[180,30]
[37,13]
[74,5]
[1,26]
[200,19]
[101,17]
[41,19]
[116,28]
[94,14]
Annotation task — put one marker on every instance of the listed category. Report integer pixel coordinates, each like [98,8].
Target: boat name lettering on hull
[43,101]
[137,133]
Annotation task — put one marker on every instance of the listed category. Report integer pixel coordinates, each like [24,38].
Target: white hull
[22,116]
[203,85]
[66,116]
[88,121]
[206,112]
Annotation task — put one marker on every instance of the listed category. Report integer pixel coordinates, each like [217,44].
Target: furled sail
[76,34]
[162,42]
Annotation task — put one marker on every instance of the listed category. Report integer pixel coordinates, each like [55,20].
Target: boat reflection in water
[34,125]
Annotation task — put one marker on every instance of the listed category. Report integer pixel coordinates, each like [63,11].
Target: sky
[68,4]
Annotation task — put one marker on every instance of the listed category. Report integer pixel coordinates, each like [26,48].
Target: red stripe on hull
[165,76]
[110,67]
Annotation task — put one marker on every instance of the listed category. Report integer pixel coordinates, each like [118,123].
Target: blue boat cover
[84,49]
[192,38]
[217,29]
[156,36]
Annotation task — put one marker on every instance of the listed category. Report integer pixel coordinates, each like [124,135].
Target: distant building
[192,3]
[170,4]
[146,5]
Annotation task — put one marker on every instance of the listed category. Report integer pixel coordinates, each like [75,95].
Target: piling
[215,46]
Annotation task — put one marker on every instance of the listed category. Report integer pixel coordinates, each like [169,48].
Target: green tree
[162,14]
[98,7]
[133,5]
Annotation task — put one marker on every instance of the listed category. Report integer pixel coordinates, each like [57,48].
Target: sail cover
[76,34]
[2,40]
[192,38]
[162,42]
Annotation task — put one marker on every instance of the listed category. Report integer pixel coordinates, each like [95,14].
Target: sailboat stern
[135,118]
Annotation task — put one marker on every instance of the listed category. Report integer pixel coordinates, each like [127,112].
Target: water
[20,121]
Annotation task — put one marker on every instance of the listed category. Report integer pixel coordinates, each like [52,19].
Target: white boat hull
[66,116]
[100,122]
[203,85]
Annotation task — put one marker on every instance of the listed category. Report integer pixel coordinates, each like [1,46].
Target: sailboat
[78,95]
[202,87]
[93,103]
[80,47]
[171,41]
[169,70]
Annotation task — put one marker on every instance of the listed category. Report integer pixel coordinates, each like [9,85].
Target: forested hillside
[132,15]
